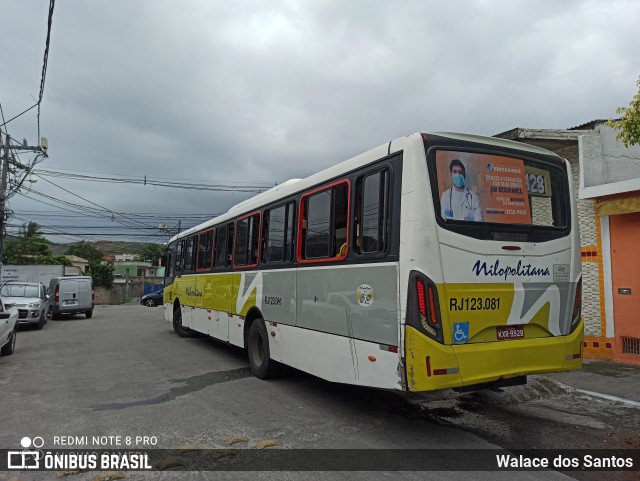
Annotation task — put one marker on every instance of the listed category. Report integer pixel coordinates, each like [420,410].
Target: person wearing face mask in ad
[458,202]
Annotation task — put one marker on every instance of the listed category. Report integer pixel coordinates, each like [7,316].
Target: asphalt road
[125,373]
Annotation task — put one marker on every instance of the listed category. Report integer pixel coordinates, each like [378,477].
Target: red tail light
[422,303]
[432,303]
[422,306]
[57,293]
[93,293]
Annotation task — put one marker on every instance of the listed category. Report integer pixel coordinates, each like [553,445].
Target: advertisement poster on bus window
[482,188]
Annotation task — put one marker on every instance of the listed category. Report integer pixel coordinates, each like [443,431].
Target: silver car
[8,330]
[31,300]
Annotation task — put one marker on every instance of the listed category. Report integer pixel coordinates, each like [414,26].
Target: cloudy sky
[248,93]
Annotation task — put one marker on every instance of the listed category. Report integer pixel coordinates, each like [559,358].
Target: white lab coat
[463,205]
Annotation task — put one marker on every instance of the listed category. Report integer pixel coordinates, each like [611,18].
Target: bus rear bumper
[435,366]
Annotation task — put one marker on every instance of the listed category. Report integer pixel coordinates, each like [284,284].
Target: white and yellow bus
[432,261]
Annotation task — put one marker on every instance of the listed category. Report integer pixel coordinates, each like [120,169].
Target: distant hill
[108,248]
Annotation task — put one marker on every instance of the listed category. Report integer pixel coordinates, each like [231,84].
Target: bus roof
[293,186]
[508,144]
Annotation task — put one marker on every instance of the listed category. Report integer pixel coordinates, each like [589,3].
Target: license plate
[70,303]
[510,332]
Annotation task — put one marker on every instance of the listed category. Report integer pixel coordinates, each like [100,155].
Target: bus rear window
[474,187]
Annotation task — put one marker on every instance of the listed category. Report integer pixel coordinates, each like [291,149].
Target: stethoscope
[468,200]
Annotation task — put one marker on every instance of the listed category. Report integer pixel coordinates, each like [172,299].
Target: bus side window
[290,231]
[247,241]
[275,233]
[189,257]
[169,264]
[325,222]
[220,251]
[208,258]
[372,211]
[317,234]
[230,232]
[179,252]
[340,216]
[240,250]
[205,249]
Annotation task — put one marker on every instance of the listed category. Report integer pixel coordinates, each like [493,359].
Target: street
[126,373]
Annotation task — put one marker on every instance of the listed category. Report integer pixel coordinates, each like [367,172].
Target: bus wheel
[261,363]
[177,324]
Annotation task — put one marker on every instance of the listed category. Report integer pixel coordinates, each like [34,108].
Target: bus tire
[262,365]
[177,324]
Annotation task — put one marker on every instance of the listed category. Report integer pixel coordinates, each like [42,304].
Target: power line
[145,235]
[90,202]
[45,61]
[85,227]
[142,215]
[104,213]
[212,186]
[49,227]
[19,115]
[74,171]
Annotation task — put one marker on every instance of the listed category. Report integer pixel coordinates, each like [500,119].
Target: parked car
[71,295]
[31,300]
[8,329]
[153,299]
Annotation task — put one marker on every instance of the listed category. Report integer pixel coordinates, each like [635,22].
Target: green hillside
[108,248]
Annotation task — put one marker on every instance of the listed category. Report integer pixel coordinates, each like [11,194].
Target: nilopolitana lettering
[193,292]
[521,270]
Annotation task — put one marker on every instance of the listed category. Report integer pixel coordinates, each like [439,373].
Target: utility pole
[7,158]
[3,190]
[171,230]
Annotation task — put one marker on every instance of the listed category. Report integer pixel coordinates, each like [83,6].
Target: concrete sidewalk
[606,378]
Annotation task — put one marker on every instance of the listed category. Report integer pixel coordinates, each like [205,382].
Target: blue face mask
[458,180]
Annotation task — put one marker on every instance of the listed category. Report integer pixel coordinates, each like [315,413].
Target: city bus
[433,261]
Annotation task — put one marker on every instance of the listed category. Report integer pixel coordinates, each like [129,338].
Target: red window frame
[301,212]
[213,243]
[235,233]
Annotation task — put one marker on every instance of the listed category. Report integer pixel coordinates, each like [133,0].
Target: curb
[606,397]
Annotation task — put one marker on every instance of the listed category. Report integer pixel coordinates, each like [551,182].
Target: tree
[102,274]
[30,248]
[32,229]
[86,251]
[153,252]
[629,123]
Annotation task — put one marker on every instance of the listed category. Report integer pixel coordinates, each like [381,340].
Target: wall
[120,269]
[589,239]
[605,160]
[37,273]
[121,293]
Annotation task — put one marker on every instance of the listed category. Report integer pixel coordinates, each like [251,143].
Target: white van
[71,295]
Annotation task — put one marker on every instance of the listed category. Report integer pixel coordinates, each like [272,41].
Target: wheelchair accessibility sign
[460,332]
